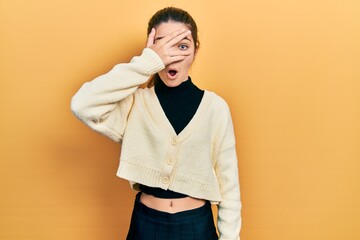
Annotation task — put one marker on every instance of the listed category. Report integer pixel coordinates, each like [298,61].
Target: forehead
[166,28]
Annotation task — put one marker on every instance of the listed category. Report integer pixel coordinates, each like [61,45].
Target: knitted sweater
[179,105]
[200,161]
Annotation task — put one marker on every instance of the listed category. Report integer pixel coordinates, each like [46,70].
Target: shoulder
[145,95]
[217,103]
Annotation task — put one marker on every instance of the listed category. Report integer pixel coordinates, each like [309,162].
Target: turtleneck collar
[184,89]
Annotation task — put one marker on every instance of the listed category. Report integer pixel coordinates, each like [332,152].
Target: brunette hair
[177,15]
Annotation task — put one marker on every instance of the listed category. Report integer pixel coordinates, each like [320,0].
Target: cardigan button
[169,161]
[173,141]
[165,180]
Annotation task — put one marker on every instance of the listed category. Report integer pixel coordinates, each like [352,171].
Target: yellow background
[290,71]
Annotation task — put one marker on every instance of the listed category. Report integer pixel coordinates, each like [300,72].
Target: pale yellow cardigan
[200,162]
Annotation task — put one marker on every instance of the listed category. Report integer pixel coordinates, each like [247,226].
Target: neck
[184,89]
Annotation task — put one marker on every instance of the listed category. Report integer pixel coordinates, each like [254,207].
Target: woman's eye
[183,47]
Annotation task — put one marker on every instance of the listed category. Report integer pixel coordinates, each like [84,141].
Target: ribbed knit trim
[192,187]
[151,62]
[134,173]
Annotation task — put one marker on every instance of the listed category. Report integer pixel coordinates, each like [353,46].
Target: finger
[178,38]
[172,35]
[176,59]
[151,38]
[176,56]
[178,52]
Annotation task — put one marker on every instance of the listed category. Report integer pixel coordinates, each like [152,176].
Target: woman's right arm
[105,102]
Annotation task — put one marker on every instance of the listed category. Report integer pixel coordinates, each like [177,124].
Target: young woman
[178,144]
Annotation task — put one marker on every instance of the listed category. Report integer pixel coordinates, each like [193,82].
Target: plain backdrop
[289,70]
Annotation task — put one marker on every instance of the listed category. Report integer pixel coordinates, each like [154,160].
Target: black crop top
[179,104]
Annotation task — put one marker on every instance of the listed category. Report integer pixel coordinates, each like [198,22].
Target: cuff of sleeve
[151,62]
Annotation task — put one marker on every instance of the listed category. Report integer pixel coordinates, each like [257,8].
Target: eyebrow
[185,38]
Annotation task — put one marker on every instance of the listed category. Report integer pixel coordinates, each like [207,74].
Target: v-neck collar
[160,118]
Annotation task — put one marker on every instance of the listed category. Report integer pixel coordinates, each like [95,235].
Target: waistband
[141,208]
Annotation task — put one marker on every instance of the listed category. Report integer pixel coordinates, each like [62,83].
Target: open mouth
[172,72]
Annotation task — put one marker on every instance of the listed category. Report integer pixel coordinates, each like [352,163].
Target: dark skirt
[150,224]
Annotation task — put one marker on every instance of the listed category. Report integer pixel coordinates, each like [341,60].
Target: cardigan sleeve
[105,102]
[226,168]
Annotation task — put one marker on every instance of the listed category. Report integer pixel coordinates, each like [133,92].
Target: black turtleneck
[179,104]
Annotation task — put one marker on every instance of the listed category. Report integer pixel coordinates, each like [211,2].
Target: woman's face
[176,73]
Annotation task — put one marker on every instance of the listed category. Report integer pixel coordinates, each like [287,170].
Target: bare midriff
[172,205]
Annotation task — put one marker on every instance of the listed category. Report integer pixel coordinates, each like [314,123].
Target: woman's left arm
[226,168]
